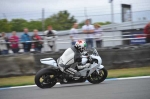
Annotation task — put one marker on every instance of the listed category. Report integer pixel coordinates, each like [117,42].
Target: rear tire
[48,77]
[96,78]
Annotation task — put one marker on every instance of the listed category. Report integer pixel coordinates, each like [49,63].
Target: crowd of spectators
[92,32]
[14,41]
[36,42]
[28,42]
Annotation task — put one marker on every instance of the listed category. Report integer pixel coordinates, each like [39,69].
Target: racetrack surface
[119,89]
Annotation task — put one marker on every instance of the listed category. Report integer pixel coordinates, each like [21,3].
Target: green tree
[5,26]
[61,21]
[18,24]
[35,25]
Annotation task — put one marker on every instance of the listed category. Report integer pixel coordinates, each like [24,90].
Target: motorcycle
[48,77]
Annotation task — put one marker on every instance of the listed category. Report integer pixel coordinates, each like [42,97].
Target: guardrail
[54,39]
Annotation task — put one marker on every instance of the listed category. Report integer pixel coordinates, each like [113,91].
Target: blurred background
[124,28]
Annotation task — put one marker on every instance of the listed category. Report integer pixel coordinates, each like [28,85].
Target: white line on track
[133,77]
[111,79]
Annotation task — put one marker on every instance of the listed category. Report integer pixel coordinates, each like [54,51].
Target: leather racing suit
[69,57]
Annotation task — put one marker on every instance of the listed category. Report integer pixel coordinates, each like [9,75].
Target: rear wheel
[96,77]
[45,78]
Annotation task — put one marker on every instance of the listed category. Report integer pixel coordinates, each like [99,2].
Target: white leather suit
[70,56]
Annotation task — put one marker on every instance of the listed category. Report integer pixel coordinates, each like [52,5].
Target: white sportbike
[48,77]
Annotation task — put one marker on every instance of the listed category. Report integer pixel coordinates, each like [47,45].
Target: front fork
[98,69]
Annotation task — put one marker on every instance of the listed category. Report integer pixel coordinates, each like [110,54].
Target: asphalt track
[119,89]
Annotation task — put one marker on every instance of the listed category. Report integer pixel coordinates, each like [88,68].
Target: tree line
[60,21]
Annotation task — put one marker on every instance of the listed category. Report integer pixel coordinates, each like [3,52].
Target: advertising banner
[139,38]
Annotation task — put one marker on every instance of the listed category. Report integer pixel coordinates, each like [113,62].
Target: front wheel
[45,78]
[96,77]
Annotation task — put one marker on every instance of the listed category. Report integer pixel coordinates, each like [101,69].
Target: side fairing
[93,67]
[49,61]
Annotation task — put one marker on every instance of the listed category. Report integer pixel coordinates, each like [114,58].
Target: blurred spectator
[89,30]
[37,44]
[7,40]
[14,39]
[73,33]
[26,40]
[147,32]
[98,35]
[50,37]
[3,45]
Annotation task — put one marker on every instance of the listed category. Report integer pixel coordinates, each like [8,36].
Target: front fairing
[98,58]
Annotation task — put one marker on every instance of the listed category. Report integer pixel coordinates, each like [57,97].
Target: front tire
[96,78]
[45,78]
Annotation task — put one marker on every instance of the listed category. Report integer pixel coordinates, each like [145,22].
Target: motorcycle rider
[73,55]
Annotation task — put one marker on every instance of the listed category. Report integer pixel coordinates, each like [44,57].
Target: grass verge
[115,73]
[130,72]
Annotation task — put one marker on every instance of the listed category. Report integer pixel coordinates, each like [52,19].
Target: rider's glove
[85,53]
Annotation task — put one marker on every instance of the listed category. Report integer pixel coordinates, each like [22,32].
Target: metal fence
[62,43]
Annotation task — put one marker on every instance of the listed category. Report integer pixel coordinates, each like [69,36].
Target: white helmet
[80,45]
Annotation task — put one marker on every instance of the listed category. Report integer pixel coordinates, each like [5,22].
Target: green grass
[130,72]
[115,73]
[16,81]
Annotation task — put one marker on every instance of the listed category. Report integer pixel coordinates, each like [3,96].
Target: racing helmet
[80,45]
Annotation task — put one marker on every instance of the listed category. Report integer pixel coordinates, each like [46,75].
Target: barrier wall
[14,65]
[126,57]
[112,57]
